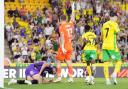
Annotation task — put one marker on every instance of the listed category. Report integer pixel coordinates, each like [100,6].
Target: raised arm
[73,12]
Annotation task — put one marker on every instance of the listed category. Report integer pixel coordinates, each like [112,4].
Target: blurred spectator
[37,12]
[98,7]
[48,31]
[54,2]
[9,27]
[17,54]
[34,34]
[48,43]
[16,12]
[24,53]
[23,12]
[78,5]
[10,13]
[83,4]
[7,61]
[21,1]
[69,11]
[78,58]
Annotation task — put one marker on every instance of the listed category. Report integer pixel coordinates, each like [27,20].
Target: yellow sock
[89,70]
[106,71]
[117,66]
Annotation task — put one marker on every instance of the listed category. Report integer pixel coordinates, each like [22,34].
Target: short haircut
[44,58]
[63,17]
[87,28]
[113,13]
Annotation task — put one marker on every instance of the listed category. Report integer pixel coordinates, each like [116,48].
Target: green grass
[77,84]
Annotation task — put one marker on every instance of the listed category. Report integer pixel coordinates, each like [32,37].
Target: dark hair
[113,13]
[44,58]
[51,68]
[87,28]
[63,17]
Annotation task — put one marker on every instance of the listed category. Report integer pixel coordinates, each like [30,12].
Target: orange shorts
[61,56]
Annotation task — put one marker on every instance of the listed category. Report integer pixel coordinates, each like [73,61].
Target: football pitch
[77,84]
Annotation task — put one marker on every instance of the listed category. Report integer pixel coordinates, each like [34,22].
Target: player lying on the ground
[35,74]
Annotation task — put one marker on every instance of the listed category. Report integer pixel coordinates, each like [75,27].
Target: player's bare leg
[46,81]
[58,71]
[70,70]
[38,78]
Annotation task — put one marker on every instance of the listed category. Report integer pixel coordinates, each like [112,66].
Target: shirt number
[107,32]
[69,30]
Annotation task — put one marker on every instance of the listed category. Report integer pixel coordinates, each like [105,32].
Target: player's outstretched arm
[73,12]
[43,67]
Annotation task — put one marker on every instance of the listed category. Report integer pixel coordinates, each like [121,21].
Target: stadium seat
[30,4]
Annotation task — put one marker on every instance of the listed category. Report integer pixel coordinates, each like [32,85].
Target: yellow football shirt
[89,36]
[109,31]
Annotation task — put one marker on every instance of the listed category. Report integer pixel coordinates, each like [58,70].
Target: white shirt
[14,44]
[78,58]
[24,51]
[9,27]
[81,30]
[83,4]
[18,37]
[16,53]
[48,43]
[98,9]
[78,5]
[48,30]
[21,44]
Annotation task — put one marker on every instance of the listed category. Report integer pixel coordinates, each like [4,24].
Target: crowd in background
[33,35]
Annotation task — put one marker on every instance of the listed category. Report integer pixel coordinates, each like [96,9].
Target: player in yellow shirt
[90,54]
[109,47]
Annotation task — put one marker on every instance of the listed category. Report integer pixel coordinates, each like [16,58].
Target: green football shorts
[90,55]
[111,55]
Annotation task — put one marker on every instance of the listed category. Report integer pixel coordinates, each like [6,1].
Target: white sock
[92,77]
[114,75]
[15,81]
[26,81]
